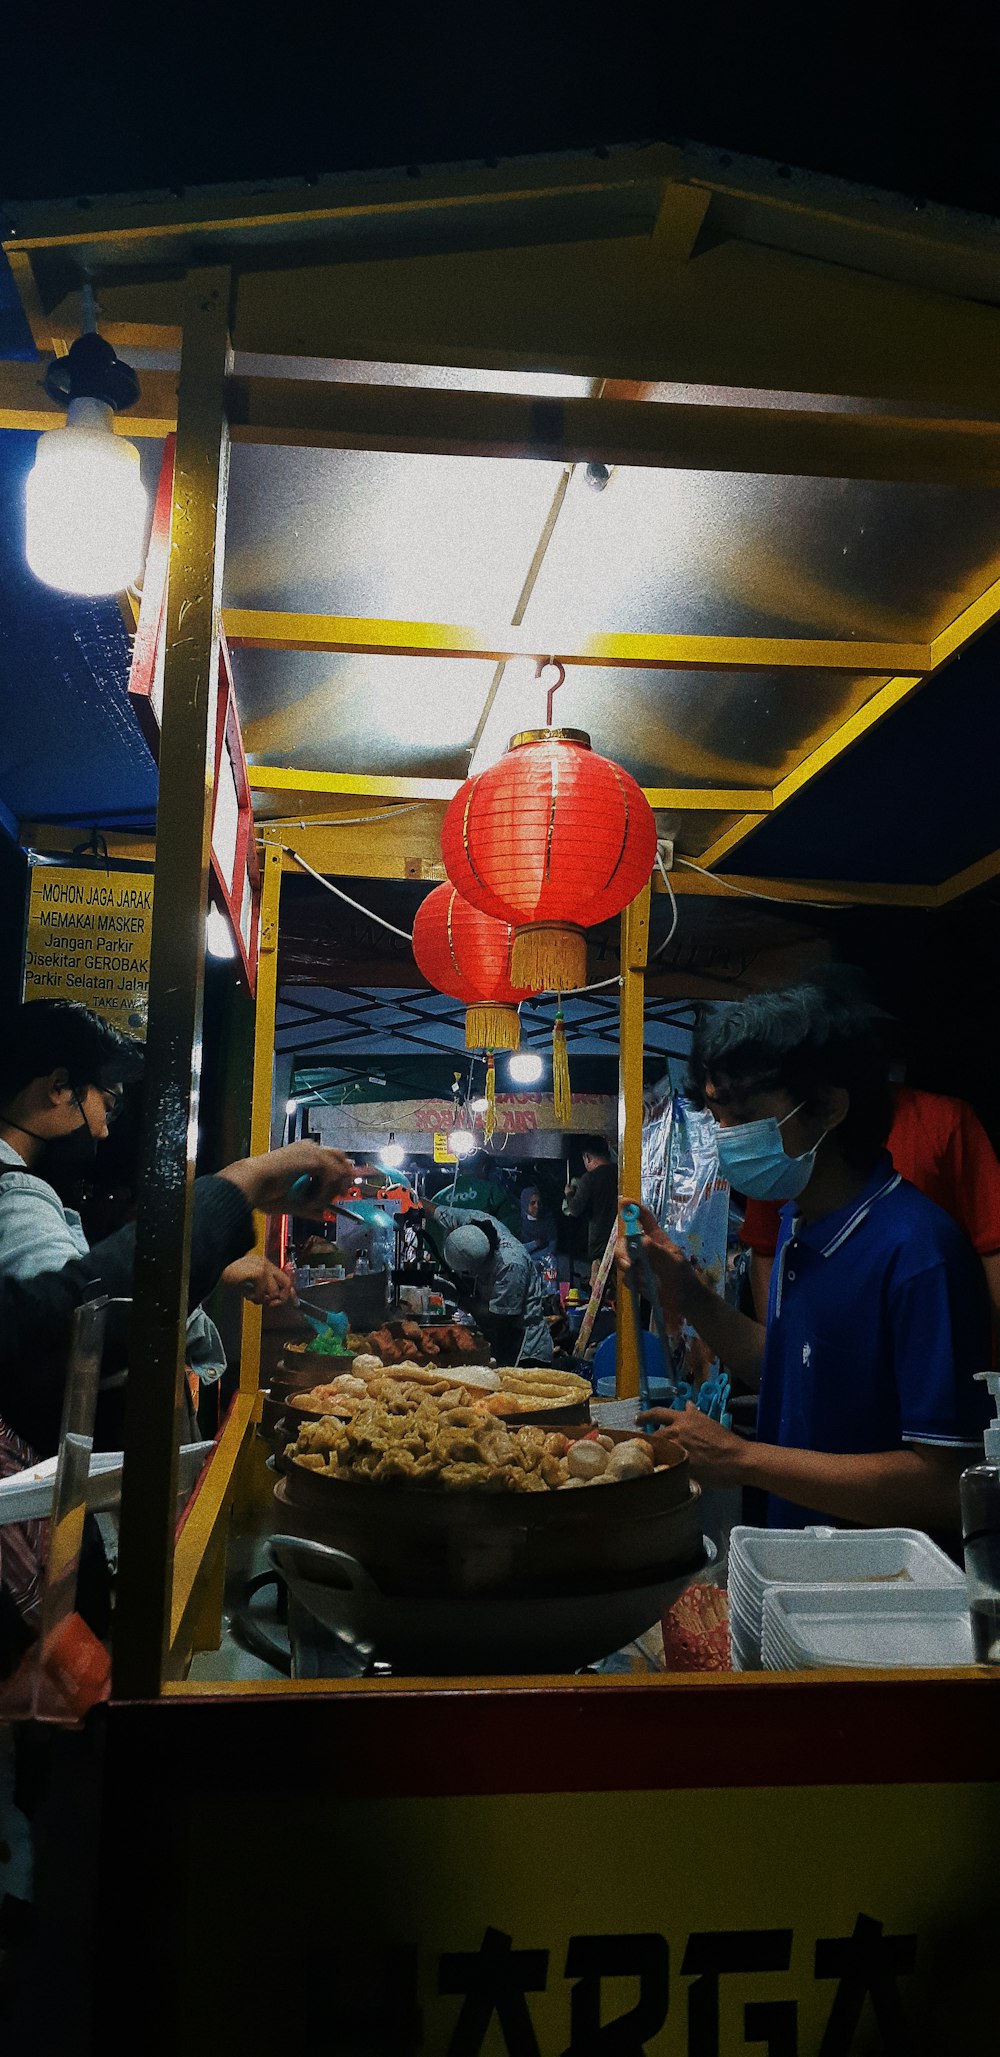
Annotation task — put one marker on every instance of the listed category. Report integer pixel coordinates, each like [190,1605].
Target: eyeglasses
[112,1104]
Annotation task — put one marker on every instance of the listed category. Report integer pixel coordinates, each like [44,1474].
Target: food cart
[721,439]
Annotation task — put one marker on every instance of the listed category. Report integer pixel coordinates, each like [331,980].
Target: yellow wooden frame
[265,1011]
[634,958]
[257,628]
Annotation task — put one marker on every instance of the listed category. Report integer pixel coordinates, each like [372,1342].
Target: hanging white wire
[328,885]
[339,821]
[665,876]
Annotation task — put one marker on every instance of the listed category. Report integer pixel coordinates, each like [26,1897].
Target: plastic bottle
[980,1495]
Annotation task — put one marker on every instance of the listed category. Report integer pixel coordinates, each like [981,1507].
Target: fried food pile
[502,1392]
[411,1344]
[525,1392]
[403,1343]
[369,1377]
[446,1442]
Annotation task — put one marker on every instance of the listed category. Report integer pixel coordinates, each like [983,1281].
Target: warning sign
[442,1154]
[88,940]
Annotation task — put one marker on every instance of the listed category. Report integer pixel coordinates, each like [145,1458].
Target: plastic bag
[681,1185]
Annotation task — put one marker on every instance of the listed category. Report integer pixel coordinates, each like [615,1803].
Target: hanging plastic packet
[681,1185]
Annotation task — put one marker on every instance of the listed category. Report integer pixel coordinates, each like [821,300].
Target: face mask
[751,1157]
[64,1159]
[69,1157]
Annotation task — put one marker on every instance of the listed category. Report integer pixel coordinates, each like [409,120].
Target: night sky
[172,95]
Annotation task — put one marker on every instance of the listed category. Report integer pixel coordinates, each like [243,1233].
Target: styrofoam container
[745,1649]
[744,1656]
[878,1627]
[760,1558]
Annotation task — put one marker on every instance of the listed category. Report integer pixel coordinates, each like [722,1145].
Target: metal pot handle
[295,1557]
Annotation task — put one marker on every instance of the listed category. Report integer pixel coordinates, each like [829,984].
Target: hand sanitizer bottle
[980,1494]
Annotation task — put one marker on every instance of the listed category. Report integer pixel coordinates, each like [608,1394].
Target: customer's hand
[259,1280]
[676,1278]
[717,1456]
[266,1182]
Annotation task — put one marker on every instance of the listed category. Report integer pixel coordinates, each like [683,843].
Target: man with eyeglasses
[62,1075]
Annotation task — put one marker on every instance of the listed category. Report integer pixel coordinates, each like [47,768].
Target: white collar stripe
[857,1218]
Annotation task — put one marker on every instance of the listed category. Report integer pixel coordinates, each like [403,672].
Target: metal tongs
[306,1184]
[321,1319]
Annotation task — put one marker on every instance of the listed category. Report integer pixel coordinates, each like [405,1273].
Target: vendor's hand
[716,1455]
[676,1278]
[266,1182]
[259,1280]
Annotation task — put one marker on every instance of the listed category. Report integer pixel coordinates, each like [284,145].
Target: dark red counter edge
[538,1738]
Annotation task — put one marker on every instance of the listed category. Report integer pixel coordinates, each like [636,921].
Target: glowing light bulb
[525,1068]
[218,934]
[479,1105]
[392,1154]
[86,505]
[291,1106]
[461,1142]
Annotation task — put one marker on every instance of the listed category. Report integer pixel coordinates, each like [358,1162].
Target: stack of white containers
[800,1598]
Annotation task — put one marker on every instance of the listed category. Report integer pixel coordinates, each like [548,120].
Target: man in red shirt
[940,1145]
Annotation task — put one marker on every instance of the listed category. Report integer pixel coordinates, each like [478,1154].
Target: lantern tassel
[492,1025]
[490,1118]
[549,957]
[561,1090]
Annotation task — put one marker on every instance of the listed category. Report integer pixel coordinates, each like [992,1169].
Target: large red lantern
[466,954]
[553,839]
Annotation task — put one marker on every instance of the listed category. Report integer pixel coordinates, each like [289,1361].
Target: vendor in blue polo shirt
[877,1319]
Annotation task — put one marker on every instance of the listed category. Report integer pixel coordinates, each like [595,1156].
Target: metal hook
[543,664]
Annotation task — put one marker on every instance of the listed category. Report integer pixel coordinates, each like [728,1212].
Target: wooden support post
[176,981]
[263,1073]
[634,955]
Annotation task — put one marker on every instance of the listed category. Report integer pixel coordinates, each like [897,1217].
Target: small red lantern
[466,954]
[553,838]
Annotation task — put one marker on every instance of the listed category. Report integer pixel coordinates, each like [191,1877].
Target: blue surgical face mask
[752,1158]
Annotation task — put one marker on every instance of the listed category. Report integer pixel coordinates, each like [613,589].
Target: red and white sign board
[235,870]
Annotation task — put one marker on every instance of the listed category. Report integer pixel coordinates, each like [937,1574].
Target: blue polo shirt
[877,1320]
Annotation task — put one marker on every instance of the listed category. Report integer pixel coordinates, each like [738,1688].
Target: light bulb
[86,505]
[392,1154]
[461,1142]
[479,1105]
[525,1068]
[291,1106]
[218,934]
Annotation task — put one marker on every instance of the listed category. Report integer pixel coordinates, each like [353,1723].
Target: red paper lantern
[466,954]
[552,839]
